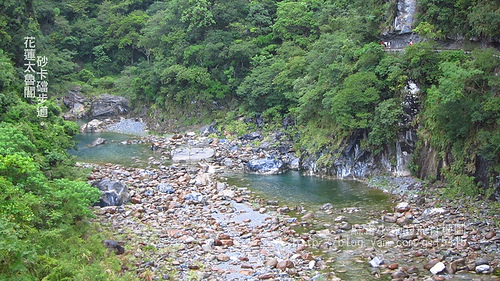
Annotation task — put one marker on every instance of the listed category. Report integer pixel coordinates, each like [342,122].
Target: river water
[116,151]
[289,188]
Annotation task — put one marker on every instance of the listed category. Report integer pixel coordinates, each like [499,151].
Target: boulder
[75,102]
[113,193]
[251,136]
[266,165]
[98,141]
[92,126]
[109,106]
[192,154]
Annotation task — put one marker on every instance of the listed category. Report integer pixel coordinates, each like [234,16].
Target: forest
[316,64]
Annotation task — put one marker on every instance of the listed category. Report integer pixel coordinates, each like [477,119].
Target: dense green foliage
[44,200]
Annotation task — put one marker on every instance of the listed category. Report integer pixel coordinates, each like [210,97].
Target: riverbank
[203,228]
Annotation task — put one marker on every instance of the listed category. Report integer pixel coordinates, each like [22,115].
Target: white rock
[312,264]
[437,268]
[484,268]
[402,207]
[376,262]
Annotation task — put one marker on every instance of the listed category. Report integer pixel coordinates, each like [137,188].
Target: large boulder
[268,165]
[109,106]
[92,126]
[113,193]
[75,102]
[192,153]
[97,142]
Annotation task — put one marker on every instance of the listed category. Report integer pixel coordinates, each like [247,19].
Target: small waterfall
[405,16]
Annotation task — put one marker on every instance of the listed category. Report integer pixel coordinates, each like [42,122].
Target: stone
[481,261]
[438,268]
[490,235]
[284,264]
[97,142]
[194,197]
[433,211]
[390,218]
[222,257]
[308,216]
[399,275]
[268,165]
[412,269]
[113,193]
[484,268]
[191,154]
[265,276]
[92,126]
[109,106]
[376,262]
[431,263]
[327,206]
[346,226]
[114,246]
[165,188]
[272,263]
[393,266]
[452,267]
[402,207]
[252,136]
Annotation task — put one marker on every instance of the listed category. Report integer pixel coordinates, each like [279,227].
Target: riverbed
[311,227]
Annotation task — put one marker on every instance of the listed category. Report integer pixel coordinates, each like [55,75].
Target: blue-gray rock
[97,142]
[194,196]
[376,262]
[109,106]
[266,165]
[113,193]
[165,188]
[251,136]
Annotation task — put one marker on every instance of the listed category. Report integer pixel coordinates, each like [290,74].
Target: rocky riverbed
[184,222]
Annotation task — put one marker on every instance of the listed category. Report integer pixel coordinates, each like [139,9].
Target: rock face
[113,193]
[109,106]
[405,15]
[354,160]
[75,102]
[266,165]
[97,142]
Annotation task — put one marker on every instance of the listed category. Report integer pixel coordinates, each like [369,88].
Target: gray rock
[481,261]
[109,106]
[194,196]
[92,126]
[113,193]
[97,142]
[165,188]
[252,136]
[295,164]
[192,154]
[266,165]
[75,102]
